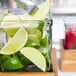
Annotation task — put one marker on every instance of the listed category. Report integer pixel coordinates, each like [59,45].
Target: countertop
[60,73]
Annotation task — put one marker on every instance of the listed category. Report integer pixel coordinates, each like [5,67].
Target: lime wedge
[3,58]
[41,25]
[45,54]
[12,64]
[11,23]
[13,28]
[32,44]
[34,56]
[44,41]
[8,20]
[34,35]
[16,43]
[10,31]
[24,60]
[40,14]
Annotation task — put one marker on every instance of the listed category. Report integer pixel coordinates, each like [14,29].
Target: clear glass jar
[36,35]
[70,33]
[39,38]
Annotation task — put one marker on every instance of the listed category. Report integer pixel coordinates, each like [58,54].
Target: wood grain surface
[68,60]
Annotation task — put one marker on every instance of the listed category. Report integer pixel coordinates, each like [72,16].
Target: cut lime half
[35,35]
[44,41]
[16,43]
[34,56]
[40,14]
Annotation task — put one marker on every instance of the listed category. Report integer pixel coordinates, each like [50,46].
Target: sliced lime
[12,64]
[40,14]
[3,58]
[29,43]
[34,56]
[11,23]
[45,54]
[32,44]
[44,41]
[10,20]
[44,51]
[41,49]
[24,60]
[10,31]
[41,26]
[16,43]
[34,35]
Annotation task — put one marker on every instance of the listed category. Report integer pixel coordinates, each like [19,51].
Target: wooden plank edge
[27,74]
[68,60]
[54,61]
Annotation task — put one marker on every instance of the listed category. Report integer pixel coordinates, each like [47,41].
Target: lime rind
[34,56]
[12,63]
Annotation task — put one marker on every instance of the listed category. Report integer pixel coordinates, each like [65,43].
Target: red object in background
[70,39]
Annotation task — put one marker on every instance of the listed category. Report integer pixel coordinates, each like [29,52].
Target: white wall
[58,31]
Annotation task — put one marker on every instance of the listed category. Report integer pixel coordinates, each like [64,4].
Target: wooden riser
[54,73]
[27,74]
[68,60]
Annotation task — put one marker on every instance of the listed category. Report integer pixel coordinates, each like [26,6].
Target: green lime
[32,44]
[43,49]
[45,54]
[41,26]
[16,43]
[3,58]
[24,60]
[12,63]
[9,20]
[29,43]
[13,28]
[34,56]
[44,41]
[10,31]
[40,14]
[34,35]
[11,23]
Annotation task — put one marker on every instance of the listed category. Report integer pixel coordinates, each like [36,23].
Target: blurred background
[8,3]
[61,9]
